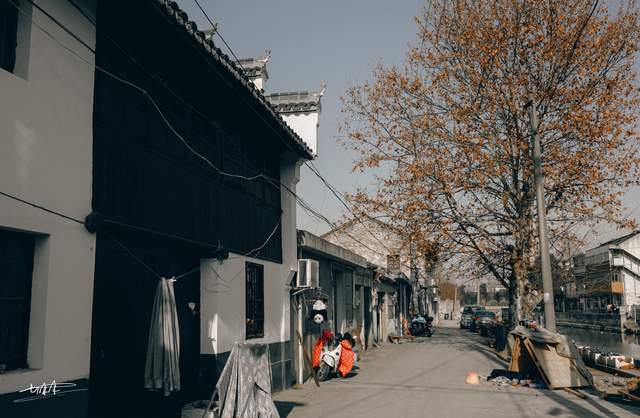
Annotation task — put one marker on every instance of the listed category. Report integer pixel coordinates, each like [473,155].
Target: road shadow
[465,340]
[469,340]
[284,407]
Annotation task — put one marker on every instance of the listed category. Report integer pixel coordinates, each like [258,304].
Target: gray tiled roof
[255,67]
[296,101]
[314,243]
[182,20]
[620,240]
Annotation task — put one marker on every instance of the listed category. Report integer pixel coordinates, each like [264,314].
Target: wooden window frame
[254,300]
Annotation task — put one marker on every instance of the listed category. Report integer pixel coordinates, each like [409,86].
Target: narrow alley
[426,378]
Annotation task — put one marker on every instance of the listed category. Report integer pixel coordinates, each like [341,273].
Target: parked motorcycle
[334,349]
[421,326]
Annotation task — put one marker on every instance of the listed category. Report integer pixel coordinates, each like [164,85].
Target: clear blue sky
[310,42]
[332,41]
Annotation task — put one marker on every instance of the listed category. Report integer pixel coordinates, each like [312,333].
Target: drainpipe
[300,345]
[300,333]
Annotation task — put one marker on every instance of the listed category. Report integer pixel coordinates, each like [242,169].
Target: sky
[331,41]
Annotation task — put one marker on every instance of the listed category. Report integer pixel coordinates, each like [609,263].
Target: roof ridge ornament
[323,88]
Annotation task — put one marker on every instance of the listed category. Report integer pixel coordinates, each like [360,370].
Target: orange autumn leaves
[449,136]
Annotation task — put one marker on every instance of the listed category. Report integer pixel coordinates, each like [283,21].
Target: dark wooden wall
[143,174]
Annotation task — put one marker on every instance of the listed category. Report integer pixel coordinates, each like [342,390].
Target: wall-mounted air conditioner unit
[308,274]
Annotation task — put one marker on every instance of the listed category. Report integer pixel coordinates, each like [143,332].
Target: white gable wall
[631,289]
[306,126]
[632,246]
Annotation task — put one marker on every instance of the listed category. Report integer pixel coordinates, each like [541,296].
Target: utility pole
[478,292]
[415,288]
[455,298]
[547,283]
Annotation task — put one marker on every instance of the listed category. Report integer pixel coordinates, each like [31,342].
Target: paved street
[426,378]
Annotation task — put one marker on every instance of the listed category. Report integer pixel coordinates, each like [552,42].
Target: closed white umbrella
[162,368]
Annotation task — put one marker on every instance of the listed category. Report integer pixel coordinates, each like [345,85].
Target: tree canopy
[448,133]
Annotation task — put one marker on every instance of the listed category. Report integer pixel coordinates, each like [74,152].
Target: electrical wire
[217,32]
[147,95]
[154,103]
[274,182]
[337,194]
[37,206]
[63,27]
[129,251]
[189,272]
[132,254]
[217,71]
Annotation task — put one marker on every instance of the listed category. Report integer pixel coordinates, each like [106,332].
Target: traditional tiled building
[129,154]
[389,255]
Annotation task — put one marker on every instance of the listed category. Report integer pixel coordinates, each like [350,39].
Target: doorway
[367,316]
[123,298]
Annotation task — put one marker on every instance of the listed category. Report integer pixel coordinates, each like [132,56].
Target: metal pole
[547,283]
[414,277]
[455,298]
[300,332]
[478,292]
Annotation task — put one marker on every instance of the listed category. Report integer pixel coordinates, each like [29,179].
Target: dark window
[255,300]
[8,34]
[348,295]
[16,267]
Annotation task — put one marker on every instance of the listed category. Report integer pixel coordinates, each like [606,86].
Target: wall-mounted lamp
[192,307]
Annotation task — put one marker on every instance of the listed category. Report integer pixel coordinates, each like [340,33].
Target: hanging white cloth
[162,368]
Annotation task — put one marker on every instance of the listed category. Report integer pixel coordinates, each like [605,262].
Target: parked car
[466,319]
[484,321]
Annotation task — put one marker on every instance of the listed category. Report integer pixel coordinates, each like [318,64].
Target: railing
[590,320]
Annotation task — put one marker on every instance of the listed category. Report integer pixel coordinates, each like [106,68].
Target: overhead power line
[338,195]
[217,32]
[37,206]
[271,181]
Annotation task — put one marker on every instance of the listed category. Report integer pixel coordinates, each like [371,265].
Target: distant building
[606,274]
[345,281]
[389,253]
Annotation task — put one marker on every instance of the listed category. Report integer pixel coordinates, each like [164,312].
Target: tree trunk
[516,294]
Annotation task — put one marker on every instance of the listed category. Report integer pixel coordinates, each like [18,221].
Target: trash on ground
[509,378]
[472,379]
[502,372]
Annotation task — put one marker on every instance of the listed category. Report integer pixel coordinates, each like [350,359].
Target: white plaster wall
[369,235]
[223,284]
[259,83]
[222,312]
[46,157]
[631,290]
[632,245]
[306,126]
[390,324]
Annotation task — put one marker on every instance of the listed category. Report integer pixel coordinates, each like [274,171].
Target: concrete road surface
[426,379]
